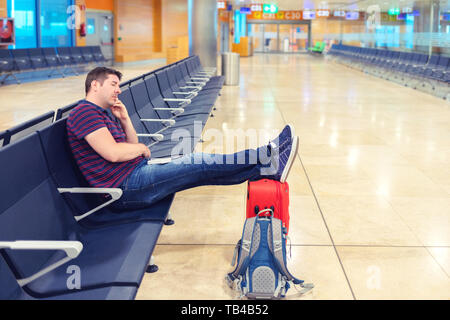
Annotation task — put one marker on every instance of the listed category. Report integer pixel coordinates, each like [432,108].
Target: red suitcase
[269,194]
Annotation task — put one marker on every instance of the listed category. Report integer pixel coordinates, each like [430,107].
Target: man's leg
[150,183]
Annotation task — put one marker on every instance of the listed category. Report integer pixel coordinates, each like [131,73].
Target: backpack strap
[244,250]
[276,248]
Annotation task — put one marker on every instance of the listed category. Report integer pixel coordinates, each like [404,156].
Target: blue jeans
[148,184]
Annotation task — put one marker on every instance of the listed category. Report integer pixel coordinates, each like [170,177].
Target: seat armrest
[115,194]
[194,93]
[71,248]
[191,87]
[196,82]
[169,109]
[157,136]
[169,121]
[178,100]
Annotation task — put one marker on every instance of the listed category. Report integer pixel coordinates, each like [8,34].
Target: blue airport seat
[51,57]
[202,101]
[154,97]
[34,59]
[191,104]
[65,111]
[447,77]
[203,96]
[200,68]
[164,110]
[53,61]
[443,62]
[32,209]
[88,56]
[98,54]
[166,91]
[76,55]
[22,60]
[25,129]
[7,66]
[432,71]
[412,69]
[154,124]
[139,100]
[183,78]
[194,68]
[431,66]
[6,61]
[128,83]
[3,138]
[37,58]
[66,174]
[434,60]
[144,135]
[65,55]
[66,59]
[188,83]
[11,290]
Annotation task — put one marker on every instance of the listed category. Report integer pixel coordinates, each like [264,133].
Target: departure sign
[309,14]
[323,13]
[393,11]
[256,7]
[352,15]
[270,8]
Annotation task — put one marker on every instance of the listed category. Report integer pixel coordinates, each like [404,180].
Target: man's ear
[94,84]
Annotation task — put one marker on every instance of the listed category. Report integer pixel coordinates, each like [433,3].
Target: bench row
[407,68]
[59,60]
[168,78]
[60,238]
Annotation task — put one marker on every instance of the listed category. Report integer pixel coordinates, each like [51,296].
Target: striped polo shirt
[100,173]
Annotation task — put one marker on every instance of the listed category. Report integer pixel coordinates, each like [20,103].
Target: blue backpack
[261,272]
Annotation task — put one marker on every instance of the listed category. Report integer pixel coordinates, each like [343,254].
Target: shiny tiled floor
[370,203]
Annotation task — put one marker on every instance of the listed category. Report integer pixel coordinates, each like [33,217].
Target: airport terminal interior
[365,85]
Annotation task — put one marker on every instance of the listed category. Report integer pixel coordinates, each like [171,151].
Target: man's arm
[120,112]
[129,130]
[104,144]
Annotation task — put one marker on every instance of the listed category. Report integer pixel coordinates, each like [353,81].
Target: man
[108,153]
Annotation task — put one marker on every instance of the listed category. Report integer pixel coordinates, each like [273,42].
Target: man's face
[108,92]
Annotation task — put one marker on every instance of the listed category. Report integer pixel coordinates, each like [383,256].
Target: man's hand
[145,151]
[120,111]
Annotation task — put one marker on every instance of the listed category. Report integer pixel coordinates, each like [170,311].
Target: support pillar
[203,31]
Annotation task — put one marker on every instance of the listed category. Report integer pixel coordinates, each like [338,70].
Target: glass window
[90,26]
[24,14]
[54,23]
[415,25]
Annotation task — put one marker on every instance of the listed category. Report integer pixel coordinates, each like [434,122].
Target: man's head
[102,86]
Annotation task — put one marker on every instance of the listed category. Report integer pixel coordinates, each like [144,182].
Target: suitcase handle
[257,209]
[265,211]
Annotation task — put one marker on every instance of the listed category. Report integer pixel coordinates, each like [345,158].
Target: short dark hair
[100,74]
